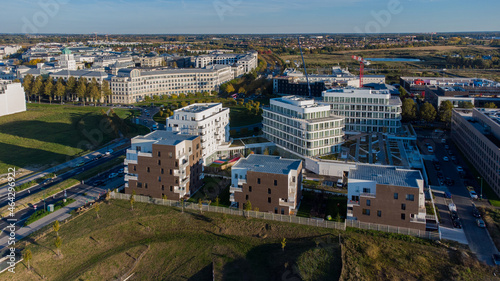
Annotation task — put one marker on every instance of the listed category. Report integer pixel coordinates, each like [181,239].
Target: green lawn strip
[162,119]
[42,213]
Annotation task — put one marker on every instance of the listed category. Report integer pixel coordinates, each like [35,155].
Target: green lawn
[239,116]
[184,246]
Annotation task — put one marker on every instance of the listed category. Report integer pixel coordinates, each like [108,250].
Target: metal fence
[282,218]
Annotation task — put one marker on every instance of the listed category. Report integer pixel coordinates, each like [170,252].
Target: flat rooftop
[268,164]
[386,175]
[166,138]
[198,107]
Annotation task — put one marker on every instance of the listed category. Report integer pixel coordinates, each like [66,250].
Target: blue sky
[251,16]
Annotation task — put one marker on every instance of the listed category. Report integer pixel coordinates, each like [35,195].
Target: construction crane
[362,63]
[305,69]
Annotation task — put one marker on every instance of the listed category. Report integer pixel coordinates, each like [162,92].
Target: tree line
[62,90]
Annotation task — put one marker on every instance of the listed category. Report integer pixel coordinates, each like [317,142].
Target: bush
[42,213]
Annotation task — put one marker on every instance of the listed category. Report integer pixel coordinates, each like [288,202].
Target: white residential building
[365,110]
[208,120]
[303,126]
[12,98]
[67,60]
[78,74]
[133,85]
[9,50]
[249,61]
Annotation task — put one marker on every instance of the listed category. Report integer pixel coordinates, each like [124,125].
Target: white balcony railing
[183,164]
[130,177]
[145,154]
[233,189]
[288,203]
[184,182]
[418,220]
[352,202]
[231,197]
[242,181]
[367,195]
[129,161]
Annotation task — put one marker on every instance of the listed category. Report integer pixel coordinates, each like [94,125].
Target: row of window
[366,212]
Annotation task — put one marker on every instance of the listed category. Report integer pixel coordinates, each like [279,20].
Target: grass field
[184,246]
[52,134]
[491,217]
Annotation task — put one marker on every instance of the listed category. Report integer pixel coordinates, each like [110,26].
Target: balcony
[180,173]
[233,189]
[183,164]
[125,169]
[183,182]
[288,203]
[242,181]
[418,220]
[126,184]
[231,197]
[129,161]
[145,154]
[129,177]
[363,194]
[131,151]
[352,203]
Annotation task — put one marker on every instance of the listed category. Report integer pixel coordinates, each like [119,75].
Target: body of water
[392,59]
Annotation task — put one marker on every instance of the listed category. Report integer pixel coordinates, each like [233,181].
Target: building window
[282,211]
[159,179]
[139,184]
[258,180]
[162,187]
[410,197]
[276,210]
[146,185]
[366,212]
[159,154]
[171,188]
[403,206]
[268,191]
[170,155]
[268,199]
[293,179]
[246,197]
[379,213]
[148,169]
[275,182]
[403,216]
[368,202]
[366,190]
[162,171]
[170,171]
[236,176]
[395,196]
[249,188]
[135,168]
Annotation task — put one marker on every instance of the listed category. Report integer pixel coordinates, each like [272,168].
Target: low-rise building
[386,195]
[12,98]
[99,76]
[269,183]
[248,60]
[208,120]
[476,132]
[302,126]
[163,164]
[365,110]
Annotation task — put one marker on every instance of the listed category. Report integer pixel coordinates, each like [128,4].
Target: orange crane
[362,63]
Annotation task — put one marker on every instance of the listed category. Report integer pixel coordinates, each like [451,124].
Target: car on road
[446,147]
[460,169]
[454,214]
[109,152]
[113,175]
[450,152]
[447,194]
[475,211]
[443,140]
[480,223]
[430,149]
[340,183]
[456,223]
[453,158]
[97,157]
[98,183]
[445,159]
[47,181]
[473,194]
[155,127]
[440,175]
[449,181]
[79,164]
[121,171]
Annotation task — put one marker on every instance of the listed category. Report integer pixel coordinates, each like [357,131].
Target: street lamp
[481,186]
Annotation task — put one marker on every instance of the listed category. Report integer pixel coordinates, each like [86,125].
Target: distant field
[184,246]
[51,134]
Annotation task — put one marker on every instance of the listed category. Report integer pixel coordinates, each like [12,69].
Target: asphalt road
[40,187]
[73,192]
[479,240]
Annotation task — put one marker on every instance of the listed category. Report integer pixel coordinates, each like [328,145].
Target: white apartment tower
[365,110]
[12,98]
[208,120]
[303,126]
[67,60]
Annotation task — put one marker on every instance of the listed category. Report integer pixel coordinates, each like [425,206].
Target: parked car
[109,152]
[443,140]
[473,194]
[97,157]
[449,181]
[454,159]
[112,175]
[98,182]
[430,149]
[480,223]
[447,194]
[475,211]
[456,223]
[446,147]
[120,171]
[496,259]
[445,159]
[440,175]
[460,169]
[340,183]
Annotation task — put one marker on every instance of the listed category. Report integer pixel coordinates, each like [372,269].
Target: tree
[106,91]
[47,89]
[27,256]
[403,94]
[95,94]
[132,200]
[97,209]
[70,86]
[445,111]
[59,90]
[283,244]
[266,151]
[58,244]
[108,196]
[490,105]
[37,87]
[230,88]
[248,206]
[242,90]
[81,90]
[217,201]
[27,84]
[56,226]
[465,104]
[428,112]
[200,205]
[409,110]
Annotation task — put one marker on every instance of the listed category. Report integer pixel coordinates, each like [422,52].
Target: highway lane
[40,187]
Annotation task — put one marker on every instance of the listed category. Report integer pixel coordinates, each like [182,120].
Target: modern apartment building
[270,183]
[12,98]
[386,195]
[99,76]
[208,120]
[302,126]
[248,60]
[365,110]
[162,164]
[67,60]
[133,85]
[476,132]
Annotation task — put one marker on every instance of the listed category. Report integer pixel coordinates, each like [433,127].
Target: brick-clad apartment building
[270,183]
[386,195]
[163,164]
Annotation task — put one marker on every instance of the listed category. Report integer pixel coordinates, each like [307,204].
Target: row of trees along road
[66,90]
[427,112]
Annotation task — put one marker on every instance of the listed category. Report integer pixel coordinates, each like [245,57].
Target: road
[40,187]
[146,117]
[73,192]
[478,238]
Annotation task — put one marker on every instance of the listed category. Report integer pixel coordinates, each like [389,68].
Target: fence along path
[282,218]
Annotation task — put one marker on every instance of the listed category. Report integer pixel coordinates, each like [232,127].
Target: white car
[445,159]
[113,175]
[430,149]
[460,169]
[340,183]
[473,194]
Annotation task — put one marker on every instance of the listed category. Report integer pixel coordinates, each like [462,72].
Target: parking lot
[443,174]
